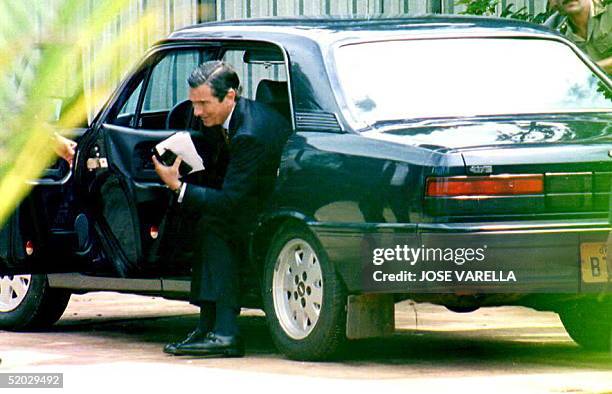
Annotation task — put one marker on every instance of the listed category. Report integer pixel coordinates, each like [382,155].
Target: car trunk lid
[576,177]
[571,153]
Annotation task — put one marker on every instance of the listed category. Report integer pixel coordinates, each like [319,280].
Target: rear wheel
[304,300]
[462,308]
[27,302]
[589,324]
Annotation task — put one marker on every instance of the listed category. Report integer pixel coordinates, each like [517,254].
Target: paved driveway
[111,341]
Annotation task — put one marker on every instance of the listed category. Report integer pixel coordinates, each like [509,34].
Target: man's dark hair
[220,76]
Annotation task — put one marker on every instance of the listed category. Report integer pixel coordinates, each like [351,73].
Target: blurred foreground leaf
[41,61]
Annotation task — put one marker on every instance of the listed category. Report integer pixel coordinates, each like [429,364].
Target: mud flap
[370,315]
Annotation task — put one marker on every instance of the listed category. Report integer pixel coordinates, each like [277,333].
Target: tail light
[493,185]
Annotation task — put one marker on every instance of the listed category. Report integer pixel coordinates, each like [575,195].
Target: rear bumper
[544,257]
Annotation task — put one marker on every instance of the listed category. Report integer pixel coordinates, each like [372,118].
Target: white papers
[181,145]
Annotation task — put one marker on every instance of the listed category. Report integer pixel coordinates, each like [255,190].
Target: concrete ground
[109,341]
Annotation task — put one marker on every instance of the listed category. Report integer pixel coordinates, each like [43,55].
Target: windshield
[393,80]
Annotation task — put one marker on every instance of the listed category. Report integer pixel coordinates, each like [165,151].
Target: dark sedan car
[461,161]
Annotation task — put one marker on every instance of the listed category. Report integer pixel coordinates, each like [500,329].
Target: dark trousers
[215,265]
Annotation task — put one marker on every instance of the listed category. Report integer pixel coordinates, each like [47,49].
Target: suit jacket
[257,135]
[215,153]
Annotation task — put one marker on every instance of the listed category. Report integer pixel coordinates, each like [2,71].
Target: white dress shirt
[225,125]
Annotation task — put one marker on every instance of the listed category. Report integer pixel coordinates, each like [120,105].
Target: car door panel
[130,151]
[129,198]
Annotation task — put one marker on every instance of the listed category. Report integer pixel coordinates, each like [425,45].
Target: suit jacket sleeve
[240,183]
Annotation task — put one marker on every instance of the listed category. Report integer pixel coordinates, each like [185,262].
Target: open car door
[39,236]
[122,195]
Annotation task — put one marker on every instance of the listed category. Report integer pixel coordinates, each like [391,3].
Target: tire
[589,324]
[306,311]
[28,303]
[462,309]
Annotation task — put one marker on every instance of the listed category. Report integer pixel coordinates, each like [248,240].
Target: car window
[128,110]
[166,87]
[251,74]
[411,79]
[168,82]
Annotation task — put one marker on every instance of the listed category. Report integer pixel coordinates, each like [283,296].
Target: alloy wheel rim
[13,289]
[297,289]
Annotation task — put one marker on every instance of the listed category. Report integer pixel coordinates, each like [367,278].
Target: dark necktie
[225,135]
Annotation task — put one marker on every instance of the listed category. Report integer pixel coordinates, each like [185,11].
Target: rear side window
[263,76]
[253,72]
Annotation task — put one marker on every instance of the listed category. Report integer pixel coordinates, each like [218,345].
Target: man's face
[570,7]
[208,107]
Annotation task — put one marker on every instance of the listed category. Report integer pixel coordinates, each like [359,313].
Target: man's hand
[170,175]
[64,148]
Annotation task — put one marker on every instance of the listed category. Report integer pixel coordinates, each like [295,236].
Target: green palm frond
[41,49]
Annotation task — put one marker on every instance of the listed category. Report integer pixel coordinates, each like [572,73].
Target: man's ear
[231,94]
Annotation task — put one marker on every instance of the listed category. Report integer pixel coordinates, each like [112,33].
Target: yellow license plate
[593,262]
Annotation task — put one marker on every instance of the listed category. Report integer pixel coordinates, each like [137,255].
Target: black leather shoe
[212,345]
[194,336]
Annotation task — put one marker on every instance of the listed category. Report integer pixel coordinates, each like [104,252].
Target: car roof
[333,29]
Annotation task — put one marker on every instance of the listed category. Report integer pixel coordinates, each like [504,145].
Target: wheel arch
[264,233]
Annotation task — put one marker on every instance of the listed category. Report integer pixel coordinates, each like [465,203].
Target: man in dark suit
[255,135]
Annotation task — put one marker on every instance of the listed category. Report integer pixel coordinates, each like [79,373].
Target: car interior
[262,68]
[151,107]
